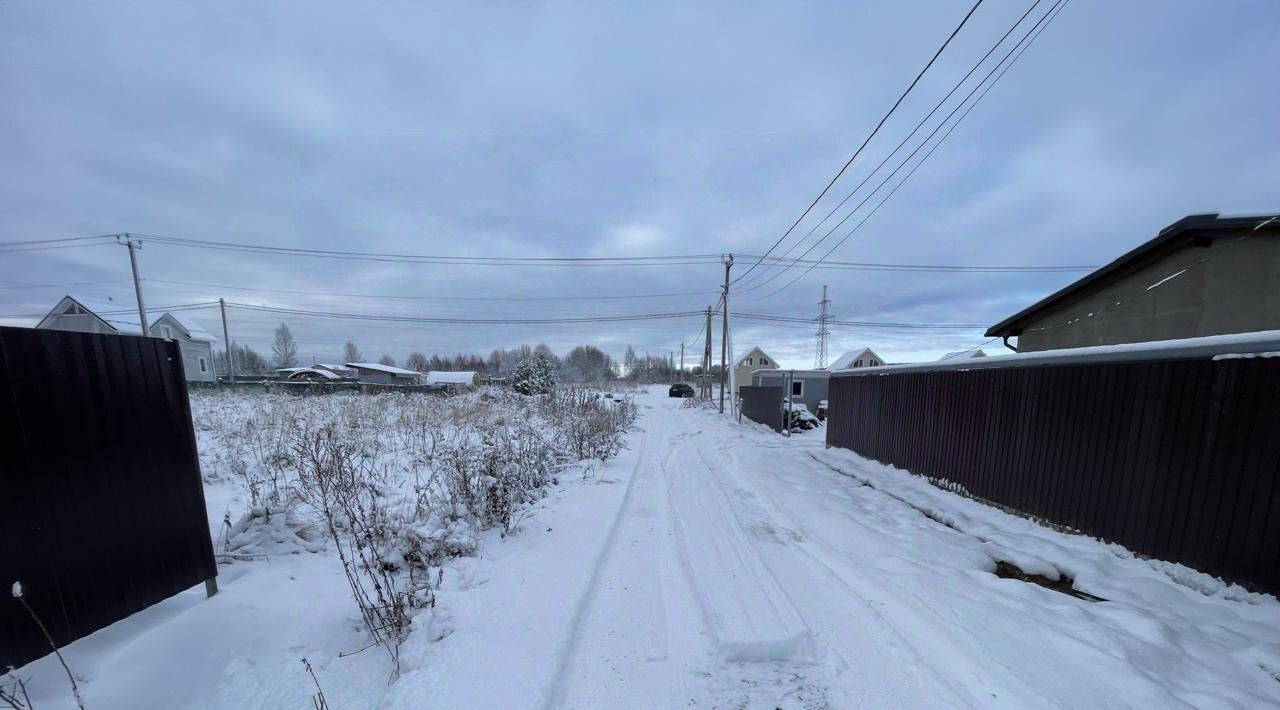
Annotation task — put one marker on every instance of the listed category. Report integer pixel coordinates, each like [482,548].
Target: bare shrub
[347,489]
[589,425]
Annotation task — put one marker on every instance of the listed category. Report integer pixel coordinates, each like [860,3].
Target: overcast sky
[594,129]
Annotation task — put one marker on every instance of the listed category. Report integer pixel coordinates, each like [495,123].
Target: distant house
[87,316]
[195,342]
[118,318]
[1202,275]
[376,373]
[454,380]
[963,355]
[864,357]
[754,359]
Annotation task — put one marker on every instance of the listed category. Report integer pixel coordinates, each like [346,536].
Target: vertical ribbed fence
[763,405]
[1177,459]
[102,509]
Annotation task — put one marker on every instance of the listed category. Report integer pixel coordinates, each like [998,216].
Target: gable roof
[750,353]
[194,330]
[846,361]
[378,367]
[121,317]
[1172,237]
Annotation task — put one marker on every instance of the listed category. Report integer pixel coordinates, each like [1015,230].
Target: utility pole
[133,246]
[682,361]
[824,331]
[226,340]
[706,359]
[724,332]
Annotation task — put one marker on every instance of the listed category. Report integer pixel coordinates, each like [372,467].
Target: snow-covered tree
[534,376]
[285,348]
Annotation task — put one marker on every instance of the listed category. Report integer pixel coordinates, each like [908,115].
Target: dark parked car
[680,389]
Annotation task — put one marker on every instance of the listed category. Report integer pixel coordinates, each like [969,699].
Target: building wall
[375,377]
[1237,290]
[742,373]
[192,351]
[80,323]
[815,386]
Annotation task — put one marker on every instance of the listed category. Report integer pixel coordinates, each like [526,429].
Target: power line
[653,260]
[1019,48]
[913,132]
[873,133]
[466,321]
[862,324]
[434,298]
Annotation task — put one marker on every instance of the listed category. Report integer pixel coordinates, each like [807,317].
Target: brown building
[1202,275]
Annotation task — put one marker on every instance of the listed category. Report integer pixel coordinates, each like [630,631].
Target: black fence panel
[102,509]
[763,405]
[1178,459]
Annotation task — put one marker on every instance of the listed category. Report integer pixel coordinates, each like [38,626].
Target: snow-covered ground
[713,564]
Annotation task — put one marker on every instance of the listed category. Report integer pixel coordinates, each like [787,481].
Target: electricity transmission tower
[824,331]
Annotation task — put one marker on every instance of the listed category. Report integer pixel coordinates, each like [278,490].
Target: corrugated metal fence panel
[762,404]
[102,509]
[1176,459]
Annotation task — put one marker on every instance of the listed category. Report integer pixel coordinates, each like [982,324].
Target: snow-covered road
[713,564]
[725,566]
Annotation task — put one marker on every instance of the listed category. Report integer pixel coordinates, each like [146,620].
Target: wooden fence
[102,509]
[1173,457]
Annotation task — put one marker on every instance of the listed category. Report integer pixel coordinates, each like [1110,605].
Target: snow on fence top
[391,369]
[465,377]
[1212,346]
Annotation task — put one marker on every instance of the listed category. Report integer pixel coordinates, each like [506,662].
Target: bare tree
[285,348]
[387,360]
[418,362]
[350,353]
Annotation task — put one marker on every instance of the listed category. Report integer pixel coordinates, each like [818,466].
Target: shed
[463,378]
[808,387]
[377,373]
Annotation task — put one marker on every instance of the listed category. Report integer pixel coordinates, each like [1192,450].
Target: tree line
[583,363]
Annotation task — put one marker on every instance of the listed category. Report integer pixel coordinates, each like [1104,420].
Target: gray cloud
[586,129]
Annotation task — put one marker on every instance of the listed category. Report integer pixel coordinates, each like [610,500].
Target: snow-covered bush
[394,484]
[534,375]
[588,425]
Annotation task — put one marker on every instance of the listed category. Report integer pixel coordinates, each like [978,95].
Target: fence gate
[763,405]
[102,508]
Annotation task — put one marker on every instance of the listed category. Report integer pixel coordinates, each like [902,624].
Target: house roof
[437,377]
[194,330]
[121,316]
[378,367]
[846,361]
[327,374]
[748,354]
[1174,236]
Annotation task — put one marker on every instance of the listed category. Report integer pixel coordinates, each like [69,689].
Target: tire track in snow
[832,565]
[838,563]
[555,697]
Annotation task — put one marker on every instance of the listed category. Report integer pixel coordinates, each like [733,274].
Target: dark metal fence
[763,405]
[1177,459]
[102,508]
